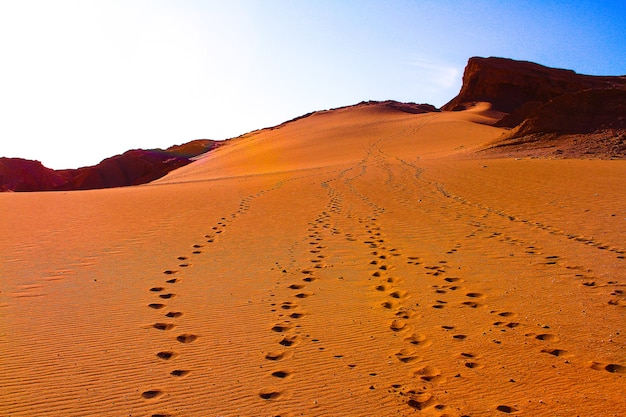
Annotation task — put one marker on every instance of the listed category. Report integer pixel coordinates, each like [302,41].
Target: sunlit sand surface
[354,262]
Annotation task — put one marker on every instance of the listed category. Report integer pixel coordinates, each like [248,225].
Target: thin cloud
[443,75]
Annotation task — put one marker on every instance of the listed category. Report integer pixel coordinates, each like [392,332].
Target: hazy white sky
[83,80]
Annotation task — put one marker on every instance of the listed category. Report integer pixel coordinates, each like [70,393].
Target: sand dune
[355,262]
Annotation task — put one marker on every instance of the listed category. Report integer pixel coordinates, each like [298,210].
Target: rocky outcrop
[17,174]
[551,112]
[131,168]
[519,87]
[585,111]
[586,124]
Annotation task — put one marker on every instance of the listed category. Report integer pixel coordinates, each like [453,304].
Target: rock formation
[133,167]
[519,87]
[551,112]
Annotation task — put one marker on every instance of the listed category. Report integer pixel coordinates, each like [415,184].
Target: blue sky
[83,80]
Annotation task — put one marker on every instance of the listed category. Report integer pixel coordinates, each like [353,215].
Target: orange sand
[355,262]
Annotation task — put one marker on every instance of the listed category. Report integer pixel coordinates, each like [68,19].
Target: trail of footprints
[421,397]
[403,312]
[395,300]
[615,290]
[289,311]
[167,322]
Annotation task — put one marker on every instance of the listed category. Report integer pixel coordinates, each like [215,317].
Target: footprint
[269,394]
[615,368]
[174,314]
[157,289]
[279,328]
[275,356]
[421,400]
[156,306]
[474,295]
[163,326]
[554,352]
[428,373]
[459,337]
[154,393]
[397,325]
[472,365]
[186,338]
[280,374]
[166,355]
[546,337]
[611,367]
[167,296]
[506,314]
[406,356]
[303,295]
[419,340]
[179,372]
[404,314]
[172,281]
[288,341]
[169,272]
[296,286]
[398,294]
[471,304]
[506,409]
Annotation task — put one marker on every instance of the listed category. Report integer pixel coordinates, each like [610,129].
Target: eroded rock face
[552,112]
[131,168]
[520,87]
[581,112]
[17,174]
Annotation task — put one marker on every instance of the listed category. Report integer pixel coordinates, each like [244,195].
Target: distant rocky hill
[133,167]
[520,87]
[551,111]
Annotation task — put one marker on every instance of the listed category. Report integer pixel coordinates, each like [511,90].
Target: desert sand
[361,262]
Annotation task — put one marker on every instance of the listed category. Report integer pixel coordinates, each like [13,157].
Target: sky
[82,80]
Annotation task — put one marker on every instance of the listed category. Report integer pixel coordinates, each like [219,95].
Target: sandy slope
[345,264]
